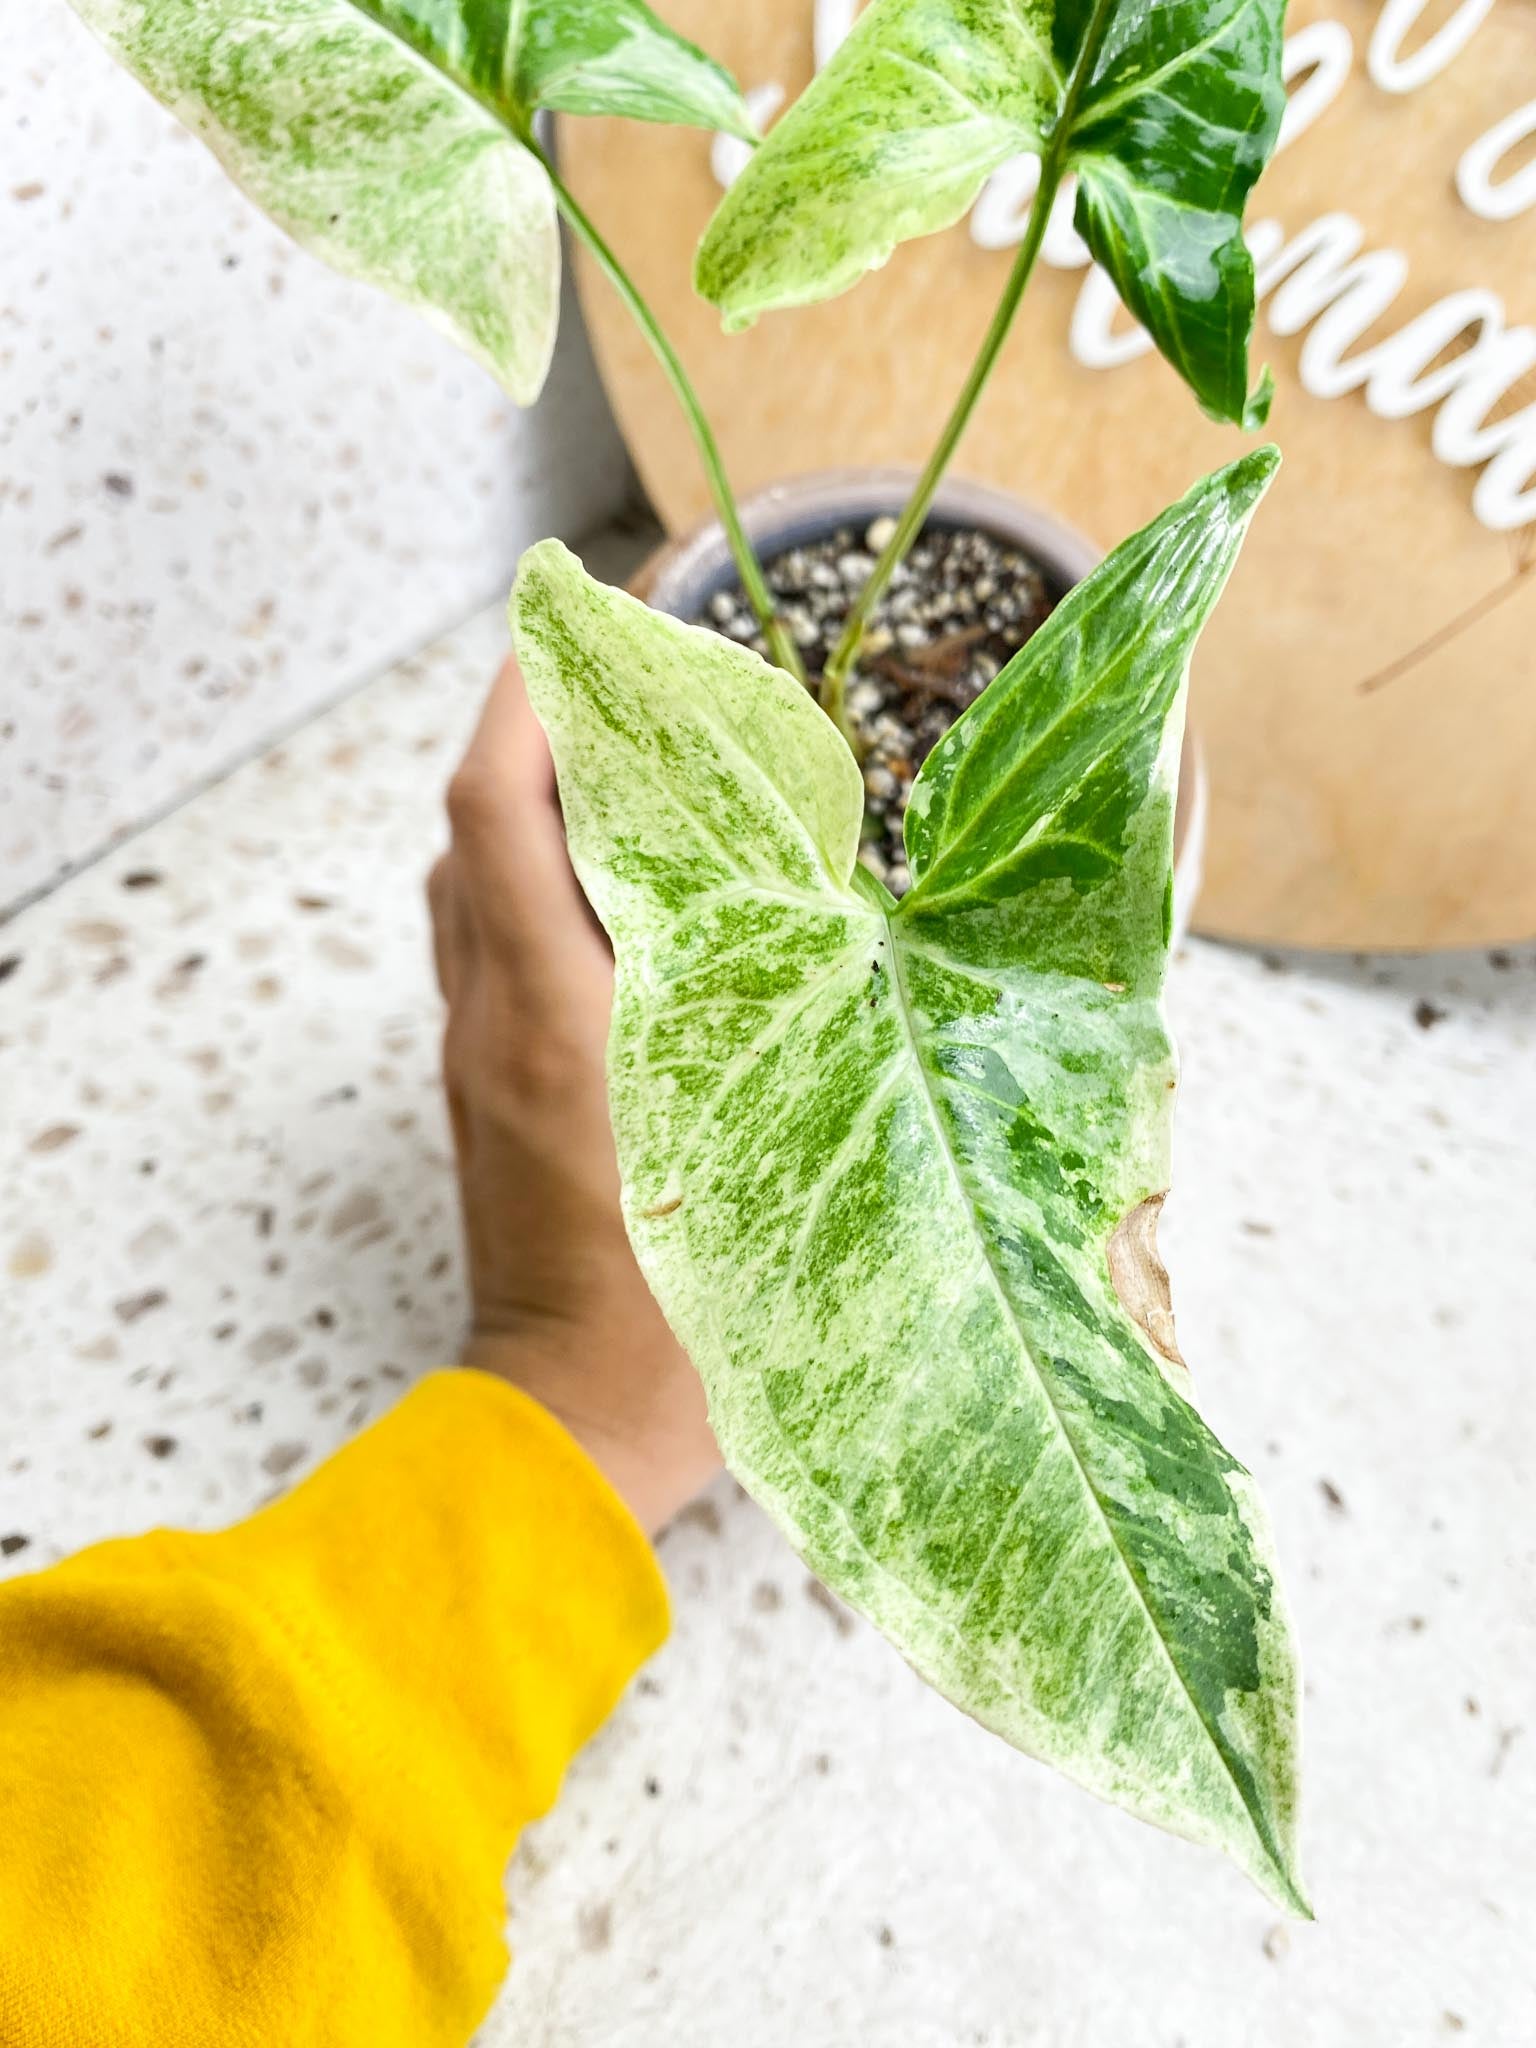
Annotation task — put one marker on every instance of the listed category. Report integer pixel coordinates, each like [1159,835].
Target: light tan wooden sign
[1367,692]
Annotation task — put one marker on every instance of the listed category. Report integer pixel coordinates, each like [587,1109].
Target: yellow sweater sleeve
[261,1786]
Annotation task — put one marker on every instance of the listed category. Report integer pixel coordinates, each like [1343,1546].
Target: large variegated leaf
[893,1170]
[1171,107]
[386,134]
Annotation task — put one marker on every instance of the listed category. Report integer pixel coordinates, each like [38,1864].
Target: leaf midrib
[503,120]
[1152,82]
[909,1028]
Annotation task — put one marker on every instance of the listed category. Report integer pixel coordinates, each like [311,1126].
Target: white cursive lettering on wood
[1316,65]
[1394,72]
[1475,172]
[1325,284]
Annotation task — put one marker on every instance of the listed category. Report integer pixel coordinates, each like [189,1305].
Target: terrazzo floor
[228,1239]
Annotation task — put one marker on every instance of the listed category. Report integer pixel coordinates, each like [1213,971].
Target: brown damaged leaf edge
[1140,1278]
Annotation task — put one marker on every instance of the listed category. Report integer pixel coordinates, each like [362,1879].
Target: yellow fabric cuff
[466,1554]
[261,1785]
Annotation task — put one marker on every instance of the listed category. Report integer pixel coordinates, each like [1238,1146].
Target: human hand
[560,1306]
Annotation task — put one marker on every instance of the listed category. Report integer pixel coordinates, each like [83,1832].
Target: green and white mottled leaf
[572,56]
[892,1170]
[386,134]
[616,57]
[380,163]
[1171,109]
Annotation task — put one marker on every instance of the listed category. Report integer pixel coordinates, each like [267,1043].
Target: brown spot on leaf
[160,1446]
[1427,1014]
[1332,1496]
[9,1545]
[667,1208]
[702,1514]
[1140,1278]
[766,1597]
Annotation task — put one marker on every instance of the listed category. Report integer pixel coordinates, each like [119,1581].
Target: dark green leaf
[1178,120]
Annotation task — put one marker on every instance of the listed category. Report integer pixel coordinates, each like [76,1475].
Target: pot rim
[686,571]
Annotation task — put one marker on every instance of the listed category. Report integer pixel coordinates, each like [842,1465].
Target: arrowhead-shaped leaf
[893,1170]
[386,134]
[1169,122]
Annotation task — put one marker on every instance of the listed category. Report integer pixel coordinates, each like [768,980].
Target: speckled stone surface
[232,485]
[227,1235]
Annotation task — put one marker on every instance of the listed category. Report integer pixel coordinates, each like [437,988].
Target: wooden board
[1367,693]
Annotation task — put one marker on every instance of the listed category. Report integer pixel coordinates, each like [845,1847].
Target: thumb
[509,843]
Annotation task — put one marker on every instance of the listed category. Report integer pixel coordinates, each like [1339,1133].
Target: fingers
[510,861]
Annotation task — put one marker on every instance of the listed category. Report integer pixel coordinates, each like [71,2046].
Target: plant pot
[682,576]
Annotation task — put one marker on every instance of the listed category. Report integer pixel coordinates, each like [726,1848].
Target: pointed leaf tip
[1247,479]
[1256,412]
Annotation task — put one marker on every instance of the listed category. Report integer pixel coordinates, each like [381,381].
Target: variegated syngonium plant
[392,136]
[1165,110]
[892,1169]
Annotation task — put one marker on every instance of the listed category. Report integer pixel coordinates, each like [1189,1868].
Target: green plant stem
[1053,165]
[780,642]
